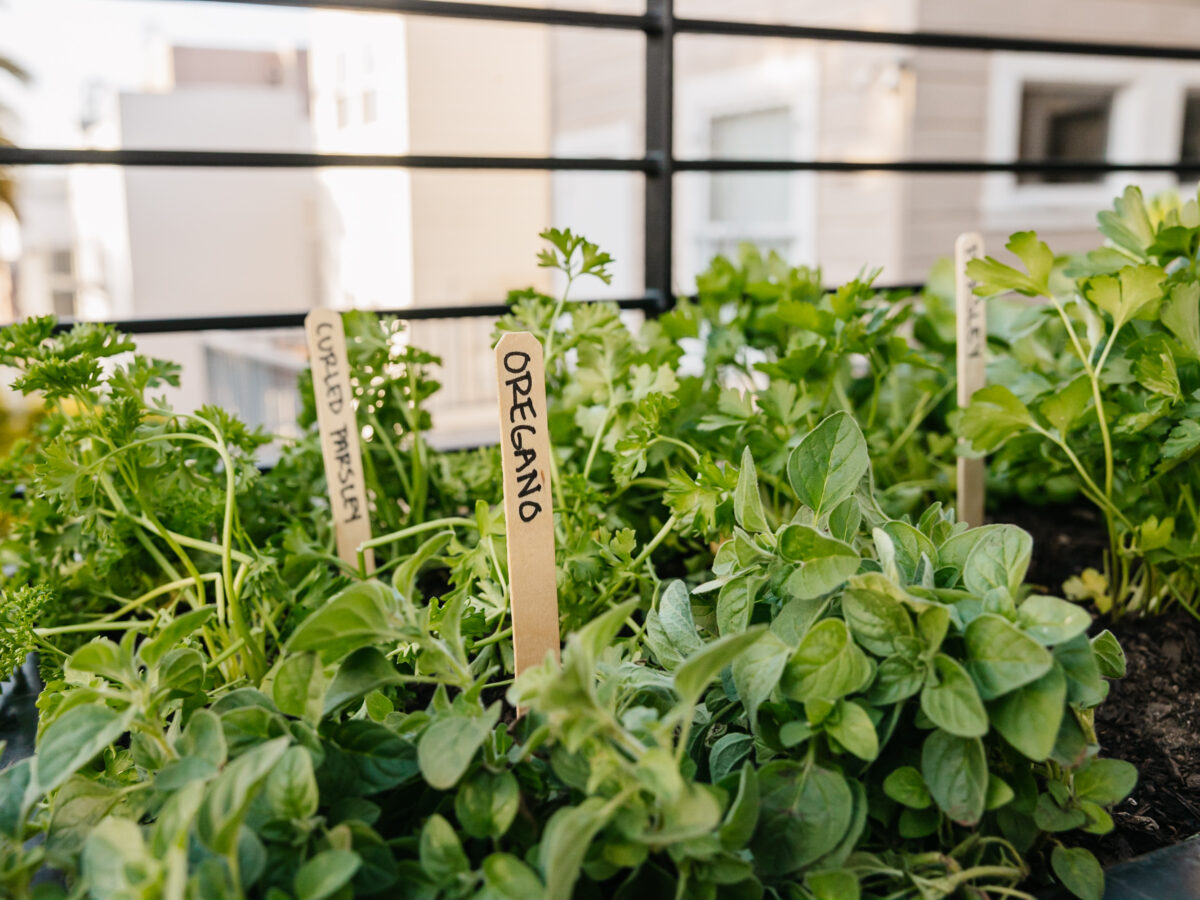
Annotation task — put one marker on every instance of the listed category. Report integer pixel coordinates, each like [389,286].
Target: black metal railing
[658,164]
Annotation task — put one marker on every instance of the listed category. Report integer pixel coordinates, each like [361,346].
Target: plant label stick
[339,434]
[972,374]
[528,512]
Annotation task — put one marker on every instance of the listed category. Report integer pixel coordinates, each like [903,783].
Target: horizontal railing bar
[650,302]
[525,15]
[252,159]
[933,166]
[940,40]
[33,156]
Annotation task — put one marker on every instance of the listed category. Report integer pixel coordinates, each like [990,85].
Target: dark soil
[1152,715]
[1066,540]
[1151,719]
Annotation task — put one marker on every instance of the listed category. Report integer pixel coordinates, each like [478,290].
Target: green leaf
[441,853]
[1051,621]
[152,650]
[359,616]
[827,665]
[446,747]
[906,786]
[487,803]
[1001,658]
[1085,687]
[951,701]
[71,740]
[1109,655]
[897,678]
[1029,717]
[694,675]
[994,416]
[756,671]
[918,823]
[1131,293]
[1128,224]
[727,754]
[803,814]
[993,277]
[670,630]
[511,878]
[1183,439]
[1079,872]
[739,823]
[838,884]
[735,603]
[325,874]
[292,787]
[1105,781]
[850,725]
[844,519]
[955,769]
[363,671]
[565,843]
[827,465]
[998,792]
[1063,408]
[874,609]
[230,794]
[1181,314]
[823,563]
[102,657]
[1000,559]
[14,783]
[1049,816]
[203,738]
[299,686]
[747,502]
[1154,365]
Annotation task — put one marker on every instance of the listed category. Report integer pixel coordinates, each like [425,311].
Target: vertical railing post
[660,149]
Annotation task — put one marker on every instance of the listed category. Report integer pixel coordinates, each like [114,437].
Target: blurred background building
[106,242]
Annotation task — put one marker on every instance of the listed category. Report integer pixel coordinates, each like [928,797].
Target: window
[343,111]
[751,199]
[370,113]
[1189,146]
[1064,122]
[64,304]
[62,263]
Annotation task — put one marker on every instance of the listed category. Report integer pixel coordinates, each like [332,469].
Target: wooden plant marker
[972,373]
[528,511]
[339,435]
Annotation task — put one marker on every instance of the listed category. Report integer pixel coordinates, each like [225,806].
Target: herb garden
[787,669]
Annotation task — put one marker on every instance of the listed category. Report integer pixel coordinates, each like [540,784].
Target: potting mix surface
[1152,715]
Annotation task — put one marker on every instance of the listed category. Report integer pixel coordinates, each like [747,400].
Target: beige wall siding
[1158,22]
[475,234]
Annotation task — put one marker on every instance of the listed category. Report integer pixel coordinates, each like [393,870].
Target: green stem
[385,539]
[666,439]
[654,542]
[495,637]
[591,457]
[93,626]
[181,539]
[178,584]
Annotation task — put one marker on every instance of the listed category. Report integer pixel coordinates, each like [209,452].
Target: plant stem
[385,539]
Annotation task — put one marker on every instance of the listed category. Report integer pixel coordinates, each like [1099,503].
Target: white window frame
[778,83]
[1145,125]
